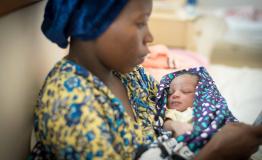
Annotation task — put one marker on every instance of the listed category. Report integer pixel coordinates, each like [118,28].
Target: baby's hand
[177,127]
[181,128]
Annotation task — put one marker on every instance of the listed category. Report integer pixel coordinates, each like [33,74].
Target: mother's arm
[234,142]
[75,126]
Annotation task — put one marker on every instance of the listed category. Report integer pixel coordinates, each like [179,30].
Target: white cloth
[186,116]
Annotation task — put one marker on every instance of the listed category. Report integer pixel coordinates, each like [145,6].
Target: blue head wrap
[82,19]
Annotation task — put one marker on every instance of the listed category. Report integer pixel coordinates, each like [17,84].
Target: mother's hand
[234,142]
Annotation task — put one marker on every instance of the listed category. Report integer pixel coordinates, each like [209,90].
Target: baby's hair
[187,73]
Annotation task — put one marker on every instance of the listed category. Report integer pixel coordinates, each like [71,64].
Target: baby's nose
[176,94]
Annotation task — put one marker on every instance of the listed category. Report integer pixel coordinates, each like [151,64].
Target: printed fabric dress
[78,117]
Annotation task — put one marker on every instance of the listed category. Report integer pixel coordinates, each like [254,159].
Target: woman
[96,102]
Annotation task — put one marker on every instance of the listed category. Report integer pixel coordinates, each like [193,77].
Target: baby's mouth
[175,103]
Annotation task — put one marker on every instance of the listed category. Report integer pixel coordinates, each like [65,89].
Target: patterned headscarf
[82,19]
[210,110]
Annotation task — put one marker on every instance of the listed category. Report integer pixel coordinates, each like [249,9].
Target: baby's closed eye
[187,91]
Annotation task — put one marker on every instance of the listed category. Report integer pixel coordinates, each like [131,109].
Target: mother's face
[124,44]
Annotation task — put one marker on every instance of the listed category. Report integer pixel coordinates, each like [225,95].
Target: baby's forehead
[185,78]
[186,75]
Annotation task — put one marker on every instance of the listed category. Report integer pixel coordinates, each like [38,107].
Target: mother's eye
[141,24]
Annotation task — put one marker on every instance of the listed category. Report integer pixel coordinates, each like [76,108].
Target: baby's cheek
[168,101]
[169,98]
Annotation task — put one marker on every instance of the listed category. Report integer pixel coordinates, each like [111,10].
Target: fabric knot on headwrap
[210,110]
[82,19]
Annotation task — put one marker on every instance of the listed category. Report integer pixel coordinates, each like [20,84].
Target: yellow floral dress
[78,117]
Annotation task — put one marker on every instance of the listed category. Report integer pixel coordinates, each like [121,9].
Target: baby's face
[182,92]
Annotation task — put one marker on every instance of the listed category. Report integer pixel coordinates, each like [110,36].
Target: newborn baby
[181,95]
[191,99]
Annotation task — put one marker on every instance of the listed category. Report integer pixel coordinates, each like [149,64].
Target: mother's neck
[85,54]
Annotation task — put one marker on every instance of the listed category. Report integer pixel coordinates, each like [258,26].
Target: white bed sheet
[242,88]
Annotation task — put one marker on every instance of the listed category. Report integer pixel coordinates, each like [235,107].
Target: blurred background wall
[226,3]
[226,32]
[25,58]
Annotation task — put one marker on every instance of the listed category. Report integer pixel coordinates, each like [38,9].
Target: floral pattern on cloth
[210,109]
[78,117]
